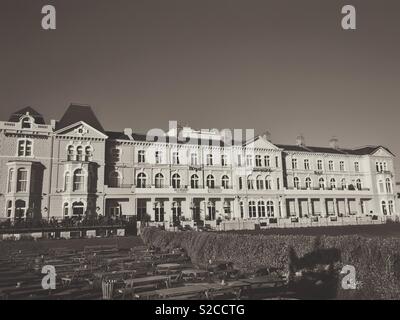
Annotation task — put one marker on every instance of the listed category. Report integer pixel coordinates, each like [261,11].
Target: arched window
[9,209]
[268,183]
[26,122]
[321,183]
[70,153]
[115,179]
[384,208]
[261,209]
[176,181]
[67,181]
[20,209]
[159,180]
[78,208]
[210,181]
[88,153]
[270,208]
[22,180]
[333,183]
[176,211]
[225,182]
[141,180]
[252,209]
[308,183]
[343,183]
[260,183]
[391,207]
[388,185]
[240,183]
[296,182]
[79,153]
[250,183]
[358,184]
[194,181]
[78,180]
[66,209]
[10,180]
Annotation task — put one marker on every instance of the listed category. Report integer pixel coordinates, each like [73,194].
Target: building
[73,167]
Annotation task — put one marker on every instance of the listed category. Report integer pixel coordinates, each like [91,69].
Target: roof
[76,113]
[355,151]
[15,117]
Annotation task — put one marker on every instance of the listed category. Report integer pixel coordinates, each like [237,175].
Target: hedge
[376,259]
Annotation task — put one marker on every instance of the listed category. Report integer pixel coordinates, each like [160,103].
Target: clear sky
[282,66]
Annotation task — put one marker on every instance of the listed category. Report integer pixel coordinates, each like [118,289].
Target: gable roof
[355,151]
[15,117]
[76,113]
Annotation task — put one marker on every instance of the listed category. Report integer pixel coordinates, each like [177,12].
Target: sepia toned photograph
[222,150]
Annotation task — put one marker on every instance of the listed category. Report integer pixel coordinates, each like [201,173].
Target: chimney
[53,124]
[266,136]
[300,141]
[128,132]
[333,143]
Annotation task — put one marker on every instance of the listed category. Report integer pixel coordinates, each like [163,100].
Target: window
[321,183]
[250,183]
[294,163]
[24,148]
[88,153]
[175,157]
[159,180]
[241,209]
[278,185]
[388,185]
[10,180]
[209,159]
[239,161]
[333,183]
[356,166]
[267,162]
[277,162]
[381,186]
[67,181]
[79,153]
[358,184]
[252,209]
[240,183]
[224,160]
[391,206]
[260,183]
[296,182]
[258,160]
[159,212]
[9,209]
[249,160]
[306,164]
[210,181]
[194,159]
[330,165]
[261,209]
[158,157]
[26,123]
[78,208]
[343,183]
[270,208]
[66,209]
[225,182]
[141,180]
[319,164]
[341,165]
[79,180]
[268,183]
[70,153]
[194,181]
[176,181]
[141,156]
[115,179]
[115,154]
[22,180]
[20,209]
[308,183]
[384,209]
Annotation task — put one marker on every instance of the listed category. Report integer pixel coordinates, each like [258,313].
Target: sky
[281,66]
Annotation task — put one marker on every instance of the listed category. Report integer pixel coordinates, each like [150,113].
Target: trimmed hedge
[376,259]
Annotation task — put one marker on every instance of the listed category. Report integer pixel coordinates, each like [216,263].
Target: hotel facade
[73,167]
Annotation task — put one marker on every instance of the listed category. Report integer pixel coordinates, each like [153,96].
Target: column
[346,207]
[219,208]
[186,211]
[296,207]
[168,210]
[246,209]
[309,207]
[323,207]
[236,209]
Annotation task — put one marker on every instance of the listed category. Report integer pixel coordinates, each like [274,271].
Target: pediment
[81,129]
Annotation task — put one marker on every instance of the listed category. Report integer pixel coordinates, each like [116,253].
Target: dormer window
[26,123]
